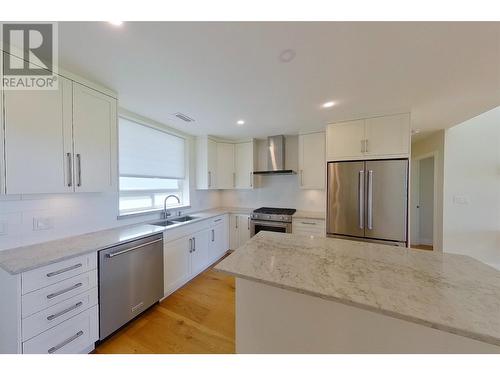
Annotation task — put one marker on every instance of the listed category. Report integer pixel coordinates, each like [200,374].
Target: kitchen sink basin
[184,219]
[164,223]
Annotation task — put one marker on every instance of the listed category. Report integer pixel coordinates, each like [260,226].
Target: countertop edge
[456,331]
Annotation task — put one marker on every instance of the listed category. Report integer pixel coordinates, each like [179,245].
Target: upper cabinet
[59,141]
[312,161]
[94,124]
[224,165]
[379,137]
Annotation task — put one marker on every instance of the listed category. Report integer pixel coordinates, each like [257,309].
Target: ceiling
[218,73]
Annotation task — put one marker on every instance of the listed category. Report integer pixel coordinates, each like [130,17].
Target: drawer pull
[55,273]
[57,315]
[52,295]
[65,342]
[216,221]
[305,222]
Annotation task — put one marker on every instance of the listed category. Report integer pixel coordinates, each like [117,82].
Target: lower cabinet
[239,230]
[196,246]
[309,227]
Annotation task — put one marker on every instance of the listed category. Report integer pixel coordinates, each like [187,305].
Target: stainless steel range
[272,220]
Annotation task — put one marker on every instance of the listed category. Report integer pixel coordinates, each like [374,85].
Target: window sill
[128,215]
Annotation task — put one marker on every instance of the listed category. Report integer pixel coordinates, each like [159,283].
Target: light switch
[42,223]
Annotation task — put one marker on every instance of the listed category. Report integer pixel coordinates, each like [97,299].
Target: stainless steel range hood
[275,157]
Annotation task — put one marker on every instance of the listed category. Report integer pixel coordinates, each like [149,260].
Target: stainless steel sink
[164,223]
[184,219]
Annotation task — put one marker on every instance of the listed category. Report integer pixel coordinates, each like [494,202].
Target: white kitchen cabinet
[345,140]
[225,166]
[218,240]
[309,227]
[244,161]
[94,123]
[379,137]
[239,231]
[177,258]
[38,140]
[388,136]
[206,163]
[199,252]
[312,161]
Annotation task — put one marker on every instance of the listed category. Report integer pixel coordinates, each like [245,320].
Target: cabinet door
[388,136]
[212,164]
[38,140]
[243,160]
[243,229]
[217,245]
[94,123]
[199,254]
[225,165]
[176,262]
[234,236]
[312,166]
[344,140]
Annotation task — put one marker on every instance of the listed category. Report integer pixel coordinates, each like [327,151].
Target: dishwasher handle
[116,253]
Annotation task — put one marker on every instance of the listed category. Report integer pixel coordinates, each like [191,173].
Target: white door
[38,140]
[243,156]
[388,136]
[94,122]
[312,156]
[217,245]
[212,164]
[199,254]
[225,165]
[243,229]
[345,140]
[176,264]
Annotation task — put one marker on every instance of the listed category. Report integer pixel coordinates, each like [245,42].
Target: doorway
[423,202]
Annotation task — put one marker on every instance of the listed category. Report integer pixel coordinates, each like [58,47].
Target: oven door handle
[270,223]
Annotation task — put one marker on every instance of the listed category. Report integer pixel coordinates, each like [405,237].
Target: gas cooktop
[273,214]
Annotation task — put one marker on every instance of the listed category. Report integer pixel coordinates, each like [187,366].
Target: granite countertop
[309,215]
[25,258]
[449,292]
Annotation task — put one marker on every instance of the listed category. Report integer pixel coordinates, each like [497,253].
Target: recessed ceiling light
[287,55]
[328,104]
[116,23]
[240,122]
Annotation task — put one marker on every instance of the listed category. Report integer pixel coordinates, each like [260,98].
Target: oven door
[271,226]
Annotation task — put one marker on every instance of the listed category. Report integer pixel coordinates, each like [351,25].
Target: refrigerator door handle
[361,199]
[370,200]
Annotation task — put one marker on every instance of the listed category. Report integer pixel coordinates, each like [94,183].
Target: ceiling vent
[183,117]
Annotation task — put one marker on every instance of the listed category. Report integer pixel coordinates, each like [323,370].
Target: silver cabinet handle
[213,235]
[70,169]
[248,223]
[370,200]
[190,245]
[65,342]
[251,179]
[361,199]
[111,255]
[237,220]
[307,223]
[79,165]
[70,268]
[217,220]
[55,294]
[194,244]
[65,311]
[366,145]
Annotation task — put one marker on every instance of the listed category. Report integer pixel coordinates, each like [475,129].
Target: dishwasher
[130,281]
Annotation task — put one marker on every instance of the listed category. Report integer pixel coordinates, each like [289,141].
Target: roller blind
[150,153]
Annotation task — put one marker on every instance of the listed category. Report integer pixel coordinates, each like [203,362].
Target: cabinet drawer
[312,227]
[57,314]
[75,335]
[53,273]
[218,219]
[53,294]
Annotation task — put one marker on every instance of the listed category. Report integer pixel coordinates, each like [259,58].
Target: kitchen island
[302,294]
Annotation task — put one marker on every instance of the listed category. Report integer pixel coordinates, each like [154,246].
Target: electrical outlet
[42,223]
[3,228]
[460,199]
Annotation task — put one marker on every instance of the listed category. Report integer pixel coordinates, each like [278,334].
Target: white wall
[432,145]
[472,188]
[74,214]
[277,190]
[426,201]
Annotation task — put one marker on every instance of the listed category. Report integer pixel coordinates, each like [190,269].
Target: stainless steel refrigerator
[368,200]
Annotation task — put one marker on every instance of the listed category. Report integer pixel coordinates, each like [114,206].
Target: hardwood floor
[196,319]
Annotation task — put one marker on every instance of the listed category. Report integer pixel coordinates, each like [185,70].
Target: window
[152,166]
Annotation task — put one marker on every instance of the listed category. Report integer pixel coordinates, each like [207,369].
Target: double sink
[180,220]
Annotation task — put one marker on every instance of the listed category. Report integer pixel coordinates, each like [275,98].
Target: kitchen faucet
[165,213]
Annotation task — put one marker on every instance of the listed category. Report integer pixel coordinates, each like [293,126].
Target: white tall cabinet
[384,137]
[312,161]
